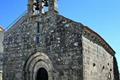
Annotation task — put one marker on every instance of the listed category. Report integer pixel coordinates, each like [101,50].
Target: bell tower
[37,7]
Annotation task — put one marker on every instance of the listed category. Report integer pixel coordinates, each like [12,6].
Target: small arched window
[45,6]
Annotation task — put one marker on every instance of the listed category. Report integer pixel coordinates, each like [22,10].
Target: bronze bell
[46,3]
[37,7]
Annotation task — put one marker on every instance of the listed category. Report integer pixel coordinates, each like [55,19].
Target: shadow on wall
[116,71]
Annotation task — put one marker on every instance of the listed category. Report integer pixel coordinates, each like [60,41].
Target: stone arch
[34,63]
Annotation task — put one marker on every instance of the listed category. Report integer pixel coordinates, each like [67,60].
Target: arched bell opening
[37,7]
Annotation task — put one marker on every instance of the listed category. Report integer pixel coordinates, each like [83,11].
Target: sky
[102,16]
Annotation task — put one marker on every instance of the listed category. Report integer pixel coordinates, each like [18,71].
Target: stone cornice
[96,38]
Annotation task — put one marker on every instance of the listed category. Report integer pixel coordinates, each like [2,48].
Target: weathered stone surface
[51,43]
[98,63]
[119,76]
[1,51]
[60,43]
[116,70]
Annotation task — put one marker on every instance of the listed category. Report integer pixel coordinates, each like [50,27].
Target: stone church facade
[44,45]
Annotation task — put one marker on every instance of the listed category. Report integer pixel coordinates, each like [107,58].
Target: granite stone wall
[63,49]
[1,39]
[97,62]
[57,37]
[1,52]
[116,69]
